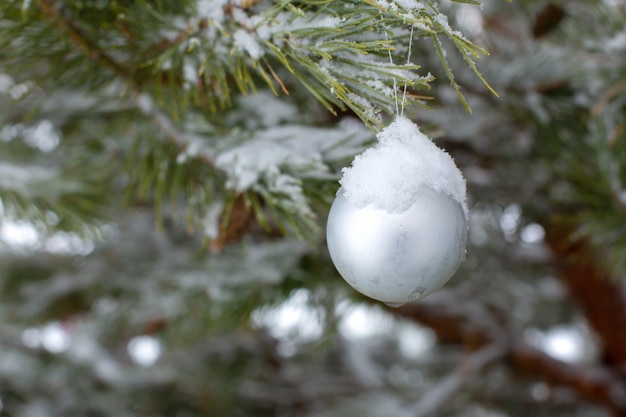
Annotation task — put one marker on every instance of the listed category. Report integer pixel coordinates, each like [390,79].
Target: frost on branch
[277,159]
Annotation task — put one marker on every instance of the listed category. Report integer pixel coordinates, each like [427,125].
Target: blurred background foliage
[165,172]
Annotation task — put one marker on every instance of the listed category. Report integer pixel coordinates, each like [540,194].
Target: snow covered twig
[165,125]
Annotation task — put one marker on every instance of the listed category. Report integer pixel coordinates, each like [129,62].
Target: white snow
[213,10]
[18,91]
[287,24]
[21,178]
[244,41]
[65,243]
[19,234]
[263,109]
[144,350]
[387,5]
[295,321]
[367,107]
[211,220]
[6,82]
[41,135]
[442,20]
[363,321]
[248,163]
[568,343]
[470,19]
[277,159]
[54,337]
[617,42]
[298,150]
[533,233]
[404,162]
[411,4]
[22,235]
[190,73]
[144,102]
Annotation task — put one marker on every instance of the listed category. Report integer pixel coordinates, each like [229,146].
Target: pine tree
[166,170]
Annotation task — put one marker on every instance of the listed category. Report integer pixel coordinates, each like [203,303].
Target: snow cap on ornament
[397,229]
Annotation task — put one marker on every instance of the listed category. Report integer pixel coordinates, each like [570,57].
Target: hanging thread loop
[395,86]
[399,106]
[408,62]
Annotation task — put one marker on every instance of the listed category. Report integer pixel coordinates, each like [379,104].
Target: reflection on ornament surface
[398,257]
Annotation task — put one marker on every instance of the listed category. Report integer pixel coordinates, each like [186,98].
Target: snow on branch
[188,145]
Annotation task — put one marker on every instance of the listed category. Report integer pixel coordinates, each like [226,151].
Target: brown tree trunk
[601,298]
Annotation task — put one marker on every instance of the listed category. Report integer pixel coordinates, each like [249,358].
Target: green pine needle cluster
[160,79]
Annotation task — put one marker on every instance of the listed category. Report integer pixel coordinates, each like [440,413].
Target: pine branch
[182,141]
[302,39]
[55,12]
[171,70]
[54,198]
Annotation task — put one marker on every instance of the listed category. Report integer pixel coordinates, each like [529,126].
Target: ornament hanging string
[395,86]
[399,107]
[408,61]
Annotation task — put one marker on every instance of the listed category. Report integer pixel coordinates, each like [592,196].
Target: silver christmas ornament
[397,229]
[397,257]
